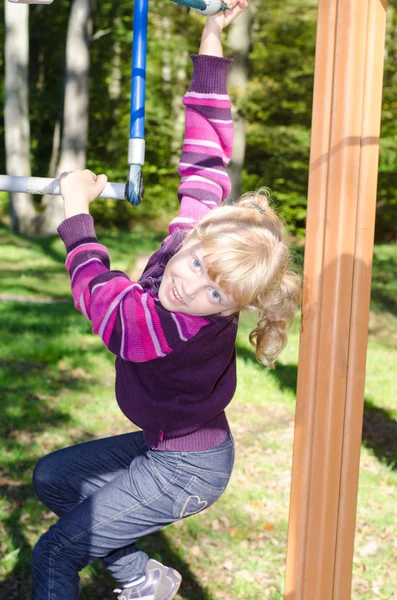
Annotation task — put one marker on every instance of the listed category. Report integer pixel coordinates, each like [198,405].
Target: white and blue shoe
[159,583]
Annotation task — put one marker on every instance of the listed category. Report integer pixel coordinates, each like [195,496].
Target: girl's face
[186,287]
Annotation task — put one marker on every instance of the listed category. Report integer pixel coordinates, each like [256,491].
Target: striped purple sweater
[175,373]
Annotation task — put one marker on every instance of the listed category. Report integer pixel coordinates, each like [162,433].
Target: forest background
[271,88]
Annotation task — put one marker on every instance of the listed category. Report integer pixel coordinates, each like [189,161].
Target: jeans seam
[209,487]
[51,577]
[154,466]
[217,473]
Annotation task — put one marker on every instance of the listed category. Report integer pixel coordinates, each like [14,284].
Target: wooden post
[335,311]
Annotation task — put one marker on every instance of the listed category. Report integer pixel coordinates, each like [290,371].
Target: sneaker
[161,583]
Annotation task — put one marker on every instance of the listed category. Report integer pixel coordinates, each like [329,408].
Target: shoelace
[130,585]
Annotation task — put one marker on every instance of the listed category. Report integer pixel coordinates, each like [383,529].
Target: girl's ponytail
[276,315]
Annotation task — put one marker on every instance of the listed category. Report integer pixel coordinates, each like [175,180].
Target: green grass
[57,389]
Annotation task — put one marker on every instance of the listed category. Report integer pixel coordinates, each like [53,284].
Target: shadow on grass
[284,375]
[380,434]
[48,245]
[19,320]
[157,546]
[118,242]
[379,425]
[17,585]
[384,273]
[31,382]
[29,418]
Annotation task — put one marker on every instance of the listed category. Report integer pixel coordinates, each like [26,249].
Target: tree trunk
[75,113]
[16,110]
[239,42]
[166,71]
[24,217]
[115,75]
[56,144]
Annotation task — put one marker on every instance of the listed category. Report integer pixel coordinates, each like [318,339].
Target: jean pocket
[165,466]
[196,497]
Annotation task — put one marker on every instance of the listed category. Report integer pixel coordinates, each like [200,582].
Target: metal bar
[335,311]
[45,185]
[31,1]
[138,74]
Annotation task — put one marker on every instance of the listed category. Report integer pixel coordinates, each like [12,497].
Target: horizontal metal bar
[32,1]
[46,185]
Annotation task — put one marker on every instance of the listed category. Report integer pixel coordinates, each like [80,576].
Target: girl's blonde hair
[246,253]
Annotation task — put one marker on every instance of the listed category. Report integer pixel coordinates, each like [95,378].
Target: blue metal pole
[136,147]
[138,74]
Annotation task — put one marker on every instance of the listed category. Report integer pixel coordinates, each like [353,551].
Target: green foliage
[277,106]
[171,31]
[277,103]
[46,62]
[281,166]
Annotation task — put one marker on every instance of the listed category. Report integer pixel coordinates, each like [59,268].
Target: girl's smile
[174,295]
[187,288]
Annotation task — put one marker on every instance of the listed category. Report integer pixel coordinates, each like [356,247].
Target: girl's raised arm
[208,140]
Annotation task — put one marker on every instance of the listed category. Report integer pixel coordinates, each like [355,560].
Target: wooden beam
[335,310]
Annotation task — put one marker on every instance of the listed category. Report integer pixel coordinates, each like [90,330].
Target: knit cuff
[209,74]
[76,229]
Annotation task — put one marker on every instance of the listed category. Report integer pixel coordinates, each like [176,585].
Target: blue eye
[215,295]
[196,263]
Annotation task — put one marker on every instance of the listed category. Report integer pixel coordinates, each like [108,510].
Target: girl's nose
[191,287]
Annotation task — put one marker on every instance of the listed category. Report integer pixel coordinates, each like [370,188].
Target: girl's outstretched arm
[208,140]
[130,320]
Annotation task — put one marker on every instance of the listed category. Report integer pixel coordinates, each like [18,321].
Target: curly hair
[246,252]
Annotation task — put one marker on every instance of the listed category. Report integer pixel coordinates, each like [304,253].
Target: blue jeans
[109,493]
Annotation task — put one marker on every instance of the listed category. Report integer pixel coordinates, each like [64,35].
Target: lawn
[57,389]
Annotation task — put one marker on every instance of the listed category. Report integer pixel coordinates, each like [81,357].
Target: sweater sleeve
[131,322]
[208,141]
